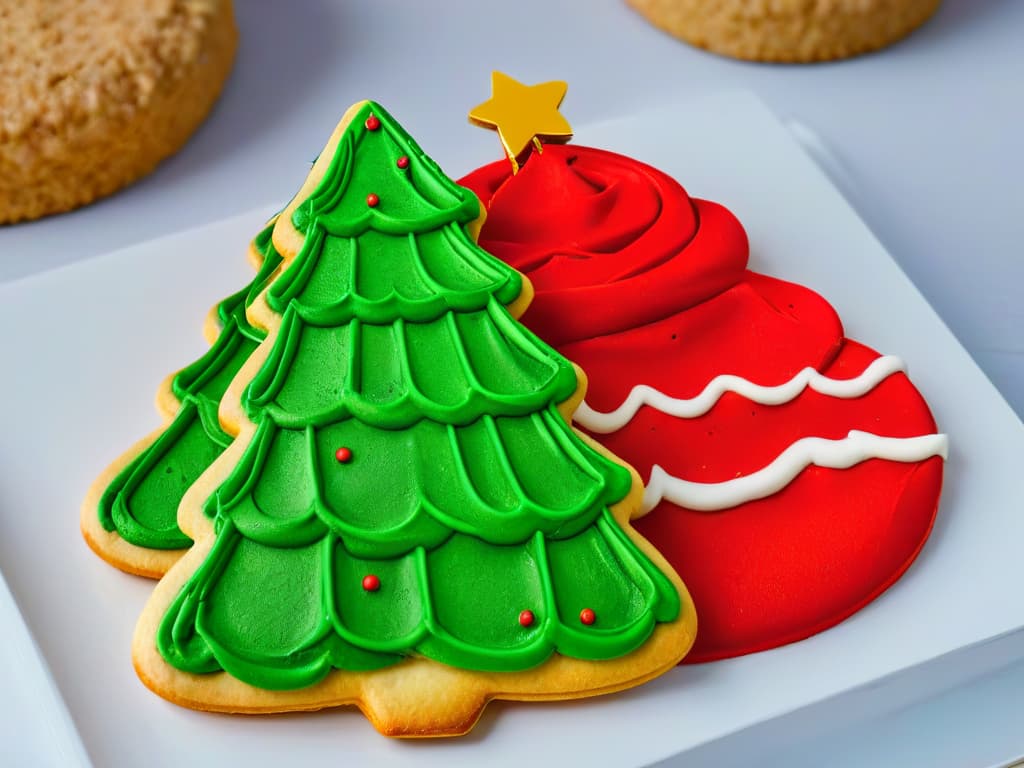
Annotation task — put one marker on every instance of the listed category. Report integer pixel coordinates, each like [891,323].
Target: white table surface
[923,139]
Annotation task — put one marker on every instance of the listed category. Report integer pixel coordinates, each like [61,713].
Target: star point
[523,114]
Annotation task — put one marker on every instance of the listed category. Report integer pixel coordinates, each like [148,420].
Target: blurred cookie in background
[97,92]
[788,30]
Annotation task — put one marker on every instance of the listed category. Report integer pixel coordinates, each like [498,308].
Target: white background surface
[925,135]
[81,612]
[923,139]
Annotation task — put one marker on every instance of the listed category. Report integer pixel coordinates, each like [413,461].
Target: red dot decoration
[371,583]
[402,162]
[372,200]
[372,123]
[587,616]
[526,618]
[343,454]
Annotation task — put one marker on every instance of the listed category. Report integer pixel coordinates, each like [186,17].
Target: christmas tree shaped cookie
[406,521]
[129,516]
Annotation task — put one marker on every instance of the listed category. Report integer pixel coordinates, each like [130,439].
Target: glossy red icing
[587,616]
[639,284]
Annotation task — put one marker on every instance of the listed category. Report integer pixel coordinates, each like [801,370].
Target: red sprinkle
[402,162]
[343,454]
[526,618]
[371,583]
[372,123]
[587,616]
[372,200]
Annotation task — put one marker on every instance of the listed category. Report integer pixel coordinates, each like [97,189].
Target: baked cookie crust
[794,31]
[97,93]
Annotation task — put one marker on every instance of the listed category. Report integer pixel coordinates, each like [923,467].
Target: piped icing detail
[141,503]
[603,423]
[843,453]
[461,489]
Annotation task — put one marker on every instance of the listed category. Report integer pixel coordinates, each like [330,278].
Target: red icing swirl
[609,243]
[639,284]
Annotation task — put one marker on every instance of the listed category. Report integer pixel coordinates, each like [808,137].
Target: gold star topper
[523,115]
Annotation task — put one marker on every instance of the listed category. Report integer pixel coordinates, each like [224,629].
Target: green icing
[396,374]
[141,503]
[466,492]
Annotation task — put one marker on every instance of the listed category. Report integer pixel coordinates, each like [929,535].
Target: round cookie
[788,30]
[97,93]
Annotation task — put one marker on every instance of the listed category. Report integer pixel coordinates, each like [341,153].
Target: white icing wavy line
[688,408]
[831,454]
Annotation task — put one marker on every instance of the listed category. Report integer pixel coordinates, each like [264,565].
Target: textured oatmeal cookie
[788,30]
[96,93]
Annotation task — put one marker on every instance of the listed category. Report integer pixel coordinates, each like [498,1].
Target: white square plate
[86,346]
